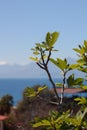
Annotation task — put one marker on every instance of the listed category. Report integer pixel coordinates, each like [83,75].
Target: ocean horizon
[16,86]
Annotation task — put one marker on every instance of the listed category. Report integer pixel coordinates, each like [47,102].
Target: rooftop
[2,117]
[71,90]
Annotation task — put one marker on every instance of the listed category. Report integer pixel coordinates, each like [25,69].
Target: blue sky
[26,22]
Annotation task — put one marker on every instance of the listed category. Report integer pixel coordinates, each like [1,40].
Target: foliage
[81,100]
[82,63]
[29,99]
[42,54]
[42,50]
[6,102]
[58,121]
[52,122]
[68,82]
[31,92]
[10,123]
[66,120]
[74,82]
[82,53]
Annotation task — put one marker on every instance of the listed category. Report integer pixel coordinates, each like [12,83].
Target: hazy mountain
[24,71]
[31,71]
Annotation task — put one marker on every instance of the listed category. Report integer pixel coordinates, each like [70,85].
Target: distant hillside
[27,71]
[31,71]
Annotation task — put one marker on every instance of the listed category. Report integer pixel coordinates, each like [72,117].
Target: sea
[15,87]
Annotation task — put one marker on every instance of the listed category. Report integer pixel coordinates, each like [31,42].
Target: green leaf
[51,38]
[62,64]
[54,38]
[79,117]
[43,45]
[85,43]
[70,80]
[80,51]
[81,100]
[74,82]
[84,87]
[34,59]
[53,61]
[59,84]
[78,81]
[30,92]
[81,62]
[43,122]
[83,69]
[73,66]
[40,89]
[36,53]
[85,46]
[48,39]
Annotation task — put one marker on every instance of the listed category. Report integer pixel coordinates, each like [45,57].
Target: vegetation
[43,53]
[6,102]
[42,56]
[43,109]
[40,106]
[65,120]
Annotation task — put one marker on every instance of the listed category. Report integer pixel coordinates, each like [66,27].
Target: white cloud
[3,62]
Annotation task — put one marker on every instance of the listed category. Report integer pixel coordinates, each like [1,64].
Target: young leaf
[74,82]
[73,66]
[84,87]
[83,69]
[59,84]
[81,100]
[51,38]
[40,89]
[36,53]
[85,46]
[30,92]
[62,64]
[34,59]
[54,38]
[70,80]
[78,81]
[43,122]
[48,39]
[53,61]
[43,45]
[80,51]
